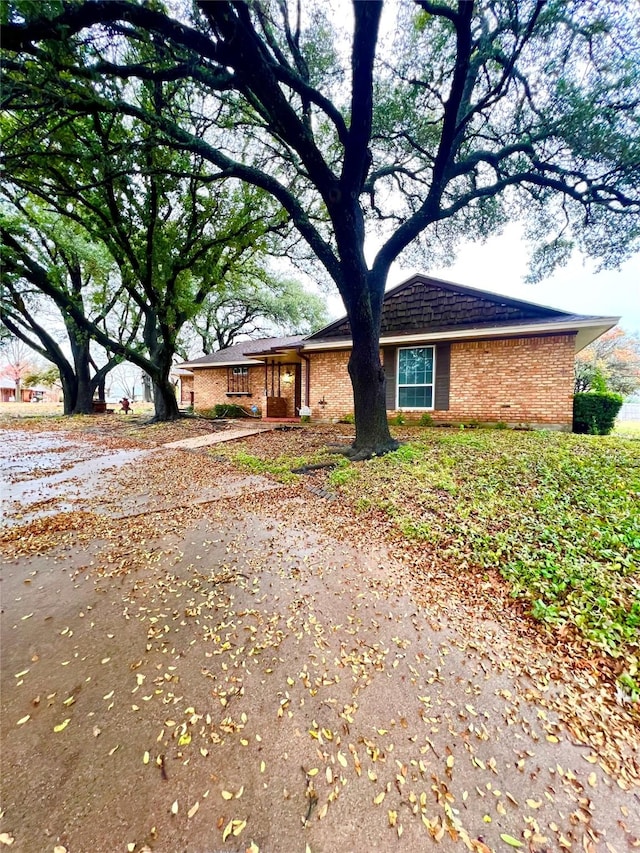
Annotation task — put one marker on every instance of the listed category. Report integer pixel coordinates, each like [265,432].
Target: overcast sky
[500,265]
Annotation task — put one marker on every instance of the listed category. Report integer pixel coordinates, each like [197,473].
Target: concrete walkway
[226,434]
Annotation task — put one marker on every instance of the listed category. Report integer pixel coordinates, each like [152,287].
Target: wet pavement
[198,660]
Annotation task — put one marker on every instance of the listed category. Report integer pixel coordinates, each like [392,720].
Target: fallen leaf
[510,840]
[6,838]
[227,830]
[238,826]
[379,798]
[226,795]
[23,720]
[174,807]
[62,726]
[194,808]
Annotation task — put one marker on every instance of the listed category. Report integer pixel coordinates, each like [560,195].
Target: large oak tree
[435,120]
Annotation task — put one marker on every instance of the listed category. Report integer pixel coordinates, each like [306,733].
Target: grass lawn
[557,515]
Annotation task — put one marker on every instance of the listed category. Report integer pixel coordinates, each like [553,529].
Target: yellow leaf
[240,792]
[450,761]
[534,804]
[263,766]
[593,780]
[238,826]
[184,739]
[227,830]
[23,720]
[342,759]
[6,838]
[131,846]
[227,795]
[145,758]
[194,808]
[393,817]
[312,772]
[174,807]
[62,726]
[372,775]
[510,840]
[379,798]
[253,848]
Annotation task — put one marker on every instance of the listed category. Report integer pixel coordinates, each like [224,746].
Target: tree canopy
[413,125]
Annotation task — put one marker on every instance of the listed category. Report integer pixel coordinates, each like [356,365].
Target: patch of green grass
[556,514]
[280,467]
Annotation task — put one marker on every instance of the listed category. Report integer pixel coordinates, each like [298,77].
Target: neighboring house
[458,353]
[27,395]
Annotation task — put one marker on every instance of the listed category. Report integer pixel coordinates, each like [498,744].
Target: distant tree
[48,263]
[16,363]
[43,376]
[613,360]
[477,114]
[255,305]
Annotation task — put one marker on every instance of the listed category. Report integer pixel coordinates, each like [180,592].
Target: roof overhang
[587,330]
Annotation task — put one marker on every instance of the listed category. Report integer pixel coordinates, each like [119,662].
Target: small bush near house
[595,413]
[349,418]
[229,410]
[426,420]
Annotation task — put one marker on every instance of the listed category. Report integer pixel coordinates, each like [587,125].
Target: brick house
[458,353]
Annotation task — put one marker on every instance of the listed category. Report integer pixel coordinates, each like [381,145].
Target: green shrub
[399,419]
[349,418]
[229,410]
[595,413]
[426,420]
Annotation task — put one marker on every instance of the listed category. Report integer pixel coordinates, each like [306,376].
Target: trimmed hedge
[595,413]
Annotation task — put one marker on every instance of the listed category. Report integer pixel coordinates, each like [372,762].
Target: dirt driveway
[198,660]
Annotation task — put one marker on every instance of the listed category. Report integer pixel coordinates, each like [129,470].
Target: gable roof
[239,354]
[430,307]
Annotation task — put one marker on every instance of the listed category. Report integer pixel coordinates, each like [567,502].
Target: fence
[629,412]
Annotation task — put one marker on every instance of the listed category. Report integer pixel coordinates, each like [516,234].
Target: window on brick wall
[237,380]
[415,377]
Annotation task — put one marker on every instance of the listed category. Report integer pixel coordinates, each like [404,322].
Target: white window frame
[431,384]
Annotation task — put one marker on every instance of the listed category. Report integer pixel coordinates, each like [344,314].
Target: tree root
[361,454]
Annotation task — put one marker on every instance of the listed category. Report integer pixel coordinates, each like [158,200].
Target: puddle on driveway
[44,474]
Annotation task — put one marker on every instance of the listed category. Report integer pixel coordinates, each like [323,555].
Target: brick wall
[526,380]
[210,387]
[186,387]
[516,380]
[330,382]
